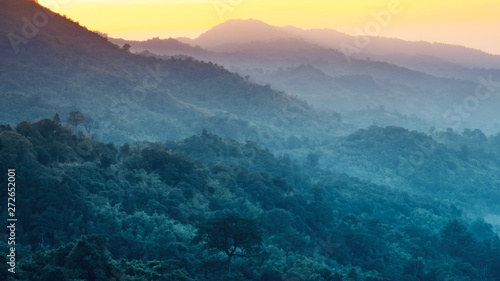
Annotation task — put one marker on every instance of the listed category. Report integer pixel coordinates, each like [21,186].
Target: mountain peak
[245,21]
[236,31]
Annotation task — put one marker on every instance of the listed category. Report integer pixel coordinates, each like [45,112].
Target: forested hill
[48,63]
[416,81]
[95,211]
[180,170]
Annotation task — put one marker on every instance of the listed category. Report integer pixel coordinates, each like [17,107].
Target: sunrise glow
[469,23]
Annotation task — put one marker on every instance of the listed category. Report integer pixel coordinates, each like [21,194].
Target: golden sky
[472,23]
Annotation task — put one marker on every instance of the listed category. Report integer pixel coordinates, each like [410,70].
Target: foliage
[232,235]
[147,211]
[76,118]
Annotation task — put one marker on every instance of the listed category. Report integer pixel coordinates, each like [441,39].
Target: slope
[275,56]
[62,66]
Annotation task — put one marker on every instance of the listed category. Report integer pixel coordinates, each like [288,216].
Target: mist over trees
[262,160]
[206,208]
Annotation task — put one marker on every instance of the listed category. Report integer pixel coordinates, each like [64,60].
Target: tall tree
[56,119]
[232,235]
[456,240]
[76,118]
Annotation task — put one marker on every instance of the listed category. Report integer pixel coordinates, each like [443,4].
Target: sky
[471,23]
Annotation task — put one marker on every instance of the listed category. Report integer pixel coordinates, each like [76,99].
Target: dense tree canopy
[232,235]
[150,211]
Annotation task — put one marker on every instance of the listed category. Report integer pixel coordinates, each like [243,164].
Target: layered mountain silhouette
[245,31]
[413,79]
[318,198]
[51,64]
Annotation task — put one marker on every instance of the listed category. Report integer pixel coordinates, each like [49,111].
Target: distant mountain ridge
[417,86]
[128,97]
[168,46]
[245,31]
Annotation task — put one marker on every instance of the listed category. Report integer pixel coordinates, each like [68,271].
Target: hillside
[168,47]
[230,32]
[138,211]
[225,158]
[128,97]
[423,86]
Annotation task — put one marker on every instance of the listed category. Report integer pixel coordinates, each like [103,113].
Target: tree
[126,47]
[76,118]
[456,240]
[312,159]
[231,234]
[14,149]
[56,119]
[90,257]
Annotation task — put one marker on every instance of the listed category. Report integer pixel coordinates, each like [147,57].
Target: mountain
[438,59]
[238,31]
[169,47]
[246,31]
[325,78]
[315,200]
[138,209]
[403,77]
[127,96]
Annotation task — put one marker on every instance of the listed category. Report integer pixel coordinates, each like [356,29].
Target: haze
[468,23]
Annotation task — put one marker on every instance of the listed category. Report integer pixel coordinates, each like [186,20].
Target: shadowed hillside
[133,97]
[423,81]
